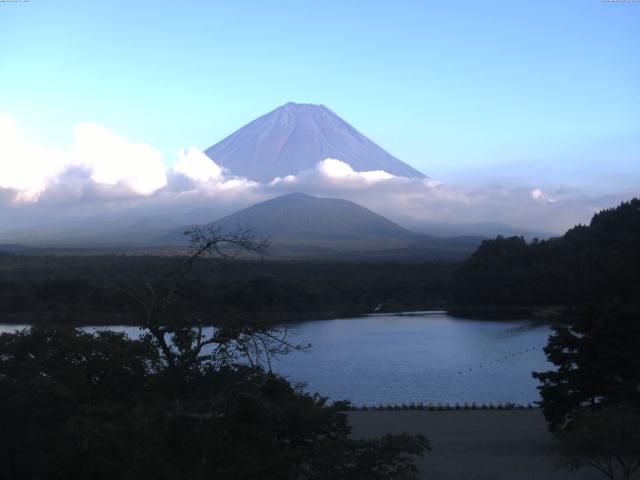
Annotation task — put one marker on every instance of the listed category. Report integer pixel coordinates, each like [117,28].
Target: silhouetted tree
[597,363]
[592,399]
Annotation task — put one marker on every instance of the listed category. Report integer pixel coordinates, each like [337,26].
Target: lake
[428,357]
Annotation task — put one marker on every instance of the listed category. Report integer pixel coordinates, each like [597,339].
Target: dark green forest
[89,289]
[599,262]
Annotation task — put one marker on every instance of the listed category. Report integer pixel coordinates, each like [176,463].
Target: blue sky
[466,91]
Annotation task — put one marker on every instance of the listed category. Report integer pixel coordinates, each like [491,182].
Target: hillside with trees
[590,263]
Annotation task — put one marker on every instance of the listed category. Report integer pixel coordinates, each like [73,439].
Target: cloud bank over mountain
[102,173]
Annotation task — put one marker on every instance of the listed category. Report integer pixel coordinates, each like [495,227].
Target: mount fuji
[295,137]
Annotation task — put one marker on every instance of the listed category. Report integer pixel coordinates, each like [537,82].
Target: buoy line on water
[500,360]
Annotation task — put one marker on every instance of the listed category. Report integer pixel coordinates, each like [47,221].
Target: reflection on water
[519,329]
[428,357]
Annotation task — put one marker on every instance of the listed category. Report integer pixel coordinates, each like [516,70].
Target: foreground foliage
[607,439]
[81,405]
[592,400]
[597,363]
[176,404]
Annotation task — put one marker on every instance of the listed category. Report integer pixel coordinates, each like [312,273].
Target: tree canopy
[597,362]
[591,400]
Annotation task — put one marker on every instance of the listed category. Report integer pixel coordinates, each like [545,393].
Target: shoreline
[543,315]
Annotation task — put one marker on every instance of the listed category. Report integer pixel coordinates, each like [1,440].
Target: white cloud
[335,174]
[102,171]
[539,195]
[334,168]
[337,169]
[195,165]
[105,157]
[115,161]
[24,166]
[197,176]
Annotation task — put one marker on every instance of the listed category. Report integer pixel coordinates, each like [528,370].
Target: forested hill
[594,263]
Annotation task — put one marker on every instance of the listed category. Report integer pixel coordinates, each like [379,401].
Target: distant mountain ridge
[300,217]
[301,225]
[295,137]
[298,225]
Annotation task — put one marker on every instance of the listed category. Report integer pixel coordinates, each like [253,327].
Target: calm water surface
[426,357]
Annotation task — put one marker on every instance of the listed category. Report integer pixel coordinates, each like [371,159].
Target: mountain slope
[301,218]
[303,226]
[295,137]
